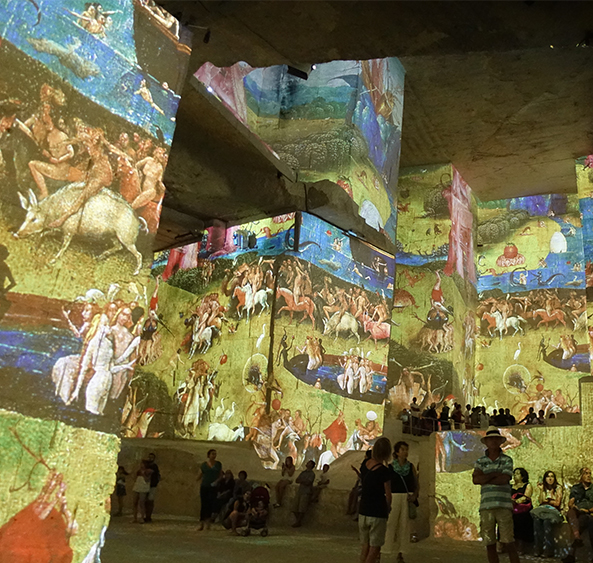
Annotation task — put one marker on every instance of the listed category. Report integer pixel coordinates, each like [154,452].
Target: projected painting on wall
[55,488]
[533,341]
[584,175]
[433,345]
[343,123]
[331,358]
[269,339]
[87,114]
[85,129]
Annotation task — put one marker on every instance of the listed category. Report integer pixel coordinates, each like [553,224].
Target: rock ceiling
[501,89]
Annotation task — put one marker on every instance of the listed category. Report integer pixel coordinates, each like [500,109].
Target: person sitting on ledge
[240,513]
[288,469]
[323,483]
[580,512]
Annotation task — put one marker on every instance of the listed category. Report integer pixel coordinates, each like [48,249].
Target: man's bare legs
[369,554]
[509,548]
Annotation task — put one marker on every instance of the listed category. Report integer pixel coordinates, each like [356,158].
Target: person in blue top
[210,473]
[493,472]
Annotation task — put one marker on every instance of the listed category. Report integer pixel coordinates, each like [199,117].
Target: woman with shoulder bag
[521,494]
[404,493]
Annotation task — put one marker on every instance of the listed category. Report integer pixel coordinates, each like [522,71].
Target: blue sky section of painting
[557,263]
[115,55]
[315,240]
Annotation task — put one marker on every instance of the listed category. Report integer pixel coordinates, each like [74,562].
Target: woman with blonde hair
[375,501]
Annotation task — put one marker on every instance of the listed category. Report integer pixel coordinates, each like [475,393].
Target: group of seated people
[424,422]
[233,506]
[538,510]
[239,503]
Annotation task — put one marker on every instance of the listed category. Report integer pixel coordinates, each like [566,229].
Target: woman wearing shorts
[375,502]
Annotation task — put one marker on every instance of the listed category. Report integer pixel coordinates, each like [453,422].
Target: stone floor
[177,541]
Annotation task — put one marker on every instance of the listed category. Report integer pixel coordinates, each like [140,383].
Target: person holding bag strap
[375,501]
[404,494]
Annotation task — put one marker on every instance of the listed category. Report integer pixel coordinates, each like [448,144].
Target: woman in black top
[375,501]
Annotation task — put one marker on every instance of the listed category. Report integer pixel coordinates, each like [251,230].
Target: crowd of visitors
[235,503]
[516,516]
[508,511]
[243,504]
[424,422]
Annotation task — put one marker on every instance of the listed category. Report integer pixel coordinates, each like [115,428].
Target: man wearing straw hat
[493,472]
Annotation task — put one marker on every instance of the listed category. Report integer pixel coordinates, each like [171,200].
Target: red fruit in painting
[276,404]
[510,250]
[539,387]
[480,367]
[223,359]
[328,233]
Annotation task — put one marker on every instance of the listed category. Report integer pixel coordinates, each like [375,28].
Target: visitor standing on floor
[305,481]
[155,478]
[120,489]
[210,473]
[404,490]
[141,490]
[375,501]
[493,472]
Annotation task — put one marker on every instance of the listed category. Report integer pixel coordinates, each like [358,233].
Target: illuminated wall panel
[332,367]
[533,343]
[87,114]
[433,343]
[305,373]
[585,193]
[343,123]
